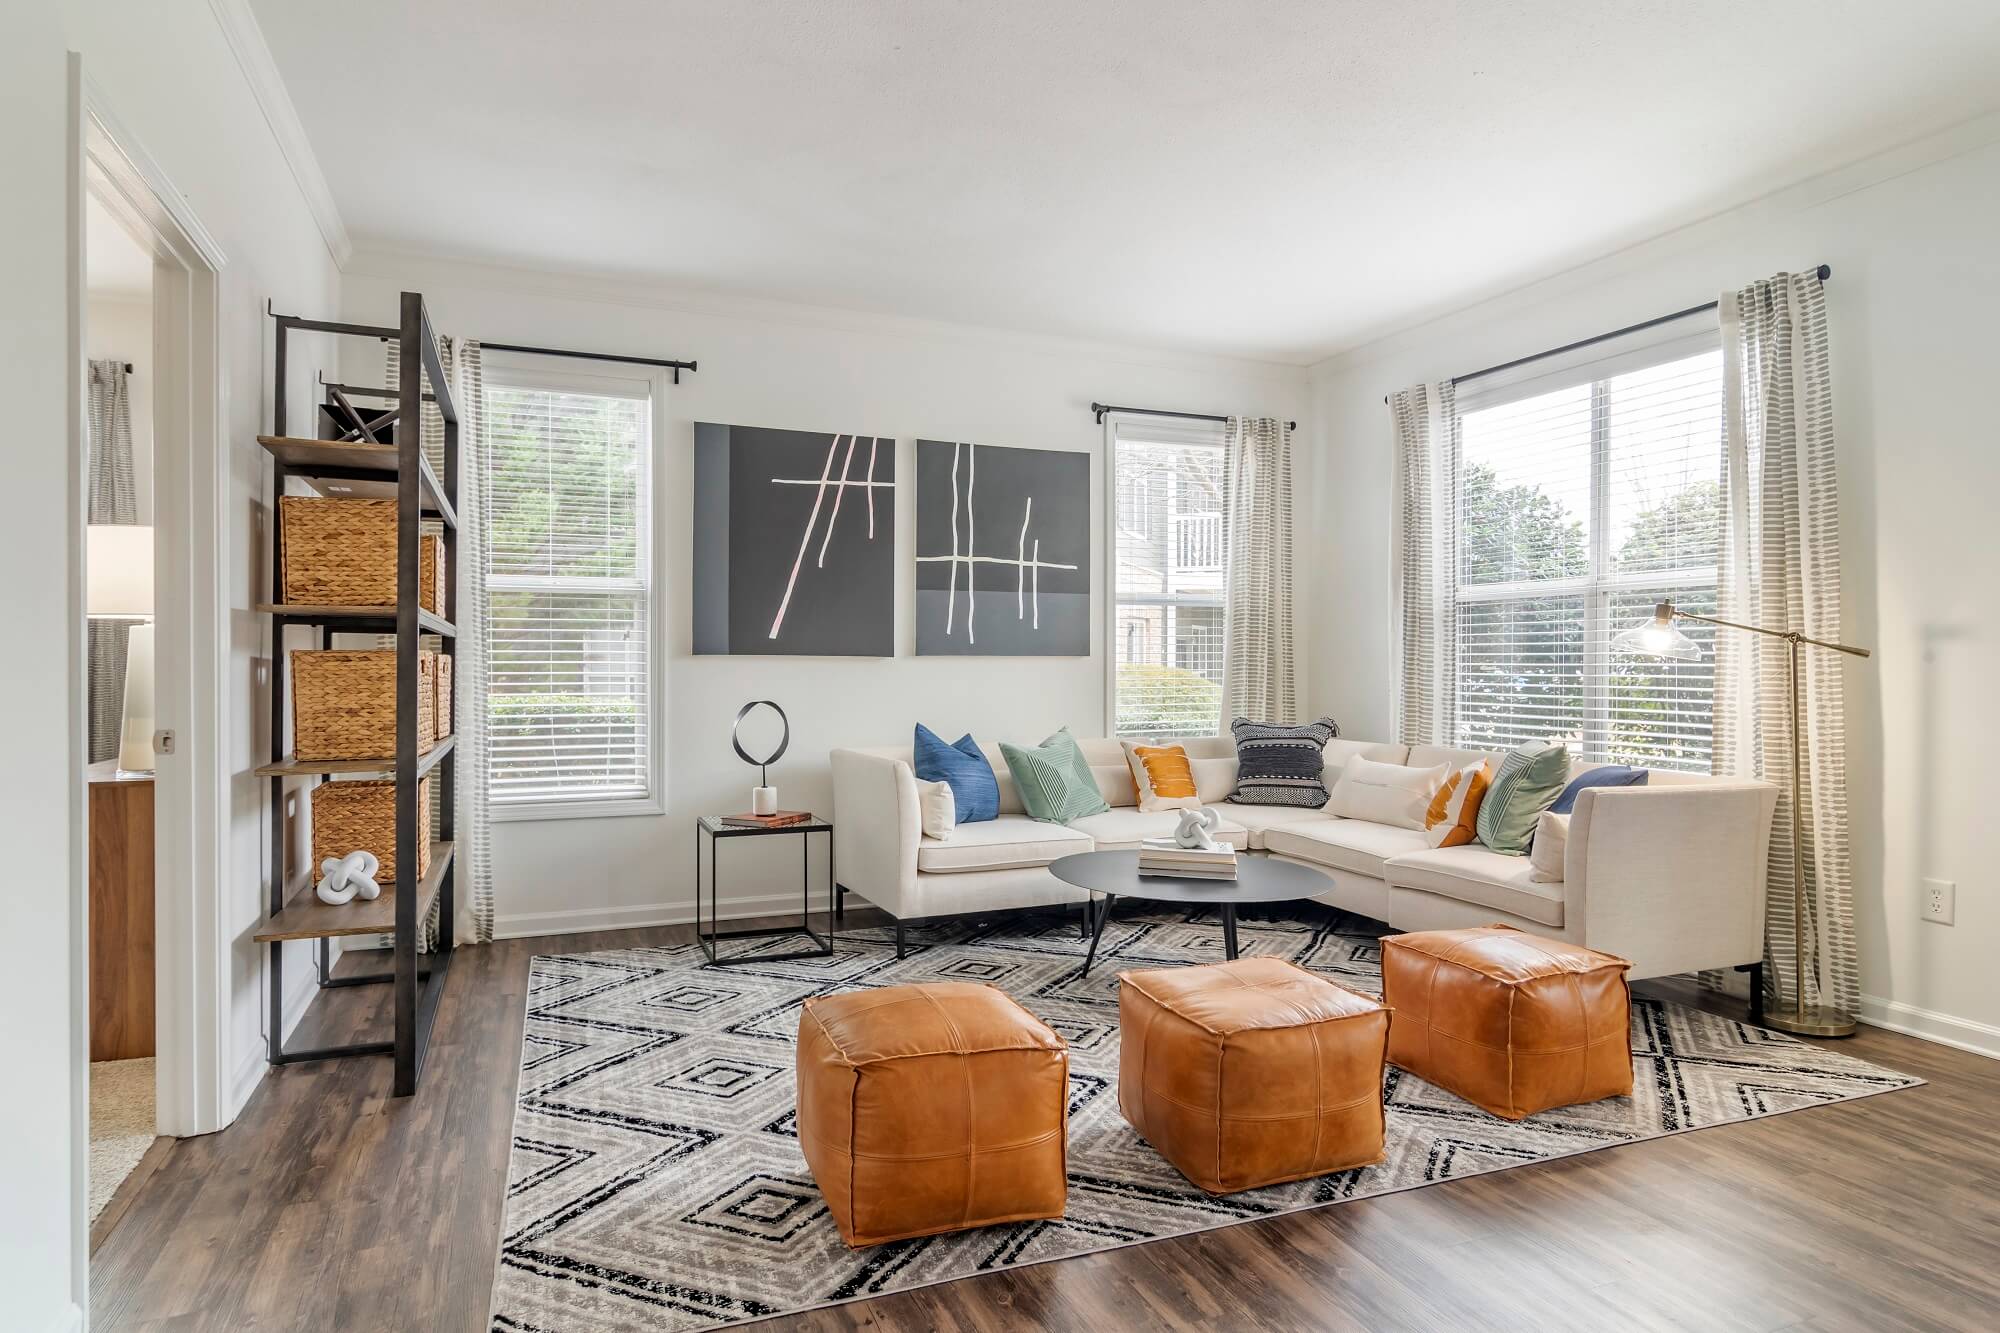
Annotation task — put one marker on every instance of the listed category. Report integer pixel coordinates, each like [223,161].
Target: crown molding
[420,270]
[253,57]
[1969,136]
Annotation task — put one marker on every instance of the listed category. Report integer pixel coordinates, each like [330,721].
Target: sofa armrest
[876,828]
[1671,877]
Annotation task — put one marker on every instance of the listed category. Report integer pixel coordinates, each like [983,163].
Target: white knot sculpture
[349,877]
[1196,830]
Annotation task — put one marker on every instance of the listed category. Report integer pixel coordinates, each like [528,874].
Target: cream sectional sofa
[1669,875]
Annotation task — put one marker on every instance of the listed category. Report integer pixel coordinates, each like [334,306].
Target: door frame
[192,619]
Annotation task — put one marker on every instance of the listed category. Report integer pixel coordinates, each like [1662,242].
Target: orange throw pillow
[1163,775]
[1453,817]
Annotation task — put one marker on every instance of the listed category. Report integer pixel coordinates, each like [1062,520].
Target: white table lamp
[119,586]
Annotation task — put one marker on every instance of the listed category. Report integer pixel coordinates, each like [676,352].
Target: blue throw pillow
[1610,775]
[975,792]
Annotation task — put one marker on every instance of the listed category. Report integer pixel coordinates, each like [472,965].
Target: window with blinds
[571,699]
[1583,498]
[1170,559]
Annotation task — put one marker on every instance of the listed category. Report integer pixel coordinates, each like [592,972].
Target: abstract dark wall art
[794,542]
[1003,551]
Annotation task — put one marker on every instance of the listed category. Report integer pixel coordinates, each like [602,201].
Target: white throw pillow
[1385,793]
[936,811]
[1545,855]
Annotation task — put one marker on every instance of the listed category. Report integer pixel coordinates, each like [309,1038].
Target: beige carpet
[121,1124]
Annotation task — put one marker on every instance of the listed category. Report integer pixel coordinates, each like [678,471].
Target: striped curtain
[113,498]
[1781,569]
[473,867]
[1258,676]
[1424,563]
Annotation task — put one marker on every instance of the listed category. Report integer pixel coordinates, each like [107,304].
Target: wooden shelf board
[305,917]
[293,767]
[303,456]
[428,622]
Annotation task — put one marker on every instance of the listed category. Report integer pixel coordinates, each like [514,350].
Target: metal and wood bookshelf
[369,467]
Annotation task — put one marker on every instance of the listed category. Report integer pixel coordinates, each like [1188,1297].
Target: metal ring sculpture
[775,755]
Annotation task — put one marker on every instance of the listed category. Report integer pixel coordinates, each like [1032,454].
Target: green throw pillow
[1054,781]
[1531,777]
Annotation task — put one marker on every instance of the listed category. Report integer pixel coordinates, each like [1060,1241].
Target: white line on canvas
[838,496]
[971,545]
[1038,583]
[951,597]
[1021,559]
[871,484]
[805,538]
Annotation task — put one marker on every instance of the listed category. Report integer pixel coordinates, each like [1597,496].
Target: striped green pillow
[1531,777]
[1053,779]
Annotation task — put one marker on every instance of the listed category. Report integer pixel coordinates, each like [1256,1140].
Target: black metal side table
[709,936]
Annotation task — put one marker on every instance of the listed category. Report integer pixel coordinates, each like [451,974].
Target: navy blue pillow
[1610,775]
[975,792]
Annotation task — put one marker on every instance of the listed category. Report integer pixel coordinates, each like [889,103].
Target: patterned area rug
[656,1181]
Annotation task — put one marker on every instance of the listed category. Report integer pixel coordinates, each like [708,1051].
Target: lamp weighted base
[1816,1020]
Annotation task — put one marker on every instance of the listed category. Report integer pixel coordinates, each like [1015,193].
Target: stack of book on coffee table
[1164,856]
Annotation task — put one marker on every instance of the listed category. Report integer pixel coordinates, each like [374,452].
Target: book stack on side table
[781,819]
[1164,856]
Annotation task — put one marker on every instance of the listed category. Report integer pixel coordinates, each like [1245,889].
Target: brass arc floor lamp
[1659,637]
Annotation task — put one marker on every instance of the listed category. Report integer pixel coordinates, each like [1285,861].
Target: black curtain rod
[1824,271]
[1101,408]
[676,366]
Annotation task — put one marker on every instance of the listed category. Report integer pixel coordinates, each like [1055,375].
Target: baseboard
[1960,1033]
[517,925]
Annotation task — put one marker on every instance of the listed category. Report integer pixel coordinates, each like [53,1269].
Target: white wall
[1916,277]
[121,327]
[40,1251]
[809,370]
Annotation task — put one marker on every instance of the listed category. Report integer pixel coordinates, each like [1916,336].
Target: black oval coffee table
[1115,875]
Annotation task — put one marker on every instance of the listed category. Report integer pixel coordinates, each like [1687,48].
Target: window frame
[527,371]
[1149,430]
[1599,587]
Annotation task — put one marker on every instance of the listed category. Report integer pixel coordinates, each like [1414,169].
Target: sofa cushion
[1120,829]
[975,792]
[1005,843]
[1477,875]
[1385,793]
[1260,819]
[1279,764]
[1354,845]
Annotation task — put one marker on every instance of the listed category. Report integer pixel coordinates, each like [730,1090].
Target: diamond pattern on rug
[656,1181]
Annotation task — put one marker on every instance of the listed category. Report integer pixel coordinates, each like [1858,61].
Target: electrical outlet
[1940,901]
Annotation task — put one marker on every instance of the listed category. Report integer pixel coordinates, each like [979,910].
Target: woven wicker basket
[441,716]
[361,815]
[343,553]
[344,703]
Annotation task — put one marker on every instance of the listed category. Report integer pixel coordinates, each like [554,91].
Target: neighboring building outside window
[1170,557]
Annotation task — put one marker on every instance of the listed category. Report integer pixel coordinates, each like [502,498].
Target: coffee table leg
[1103,915]
[1229,930]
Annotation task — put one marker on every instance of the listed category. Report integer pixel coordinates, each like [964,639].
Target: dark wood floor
[332,1205]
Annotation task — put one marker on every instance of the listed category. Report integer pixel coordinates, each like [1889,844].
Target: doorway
[119,603]
[147,539]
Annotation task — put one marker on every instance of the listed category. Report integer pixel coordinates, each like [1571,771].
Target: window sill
[548,811]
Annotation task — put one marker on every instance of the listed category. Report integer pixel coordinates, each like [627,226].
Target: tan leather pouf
[1251,1072]
[1509,1021]
[931,1108]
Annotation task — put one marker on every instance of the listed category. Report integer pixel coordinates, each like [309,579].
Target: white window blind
[570,547]
[1170,558]
[1583,498]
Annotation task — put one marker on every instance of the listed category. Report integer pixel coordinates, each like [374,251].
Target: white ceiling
[115,267]
[1279,179]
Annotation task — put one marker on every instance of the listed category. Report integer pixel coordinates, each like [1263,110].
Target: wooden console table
[121,913]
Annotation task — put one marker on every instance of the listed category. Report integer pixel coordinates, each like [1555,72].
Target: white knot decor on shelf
[349,877]
[1196,830]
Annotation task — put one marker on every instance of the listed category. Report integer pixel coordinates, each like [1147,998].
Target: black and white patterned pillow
[1281,765]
